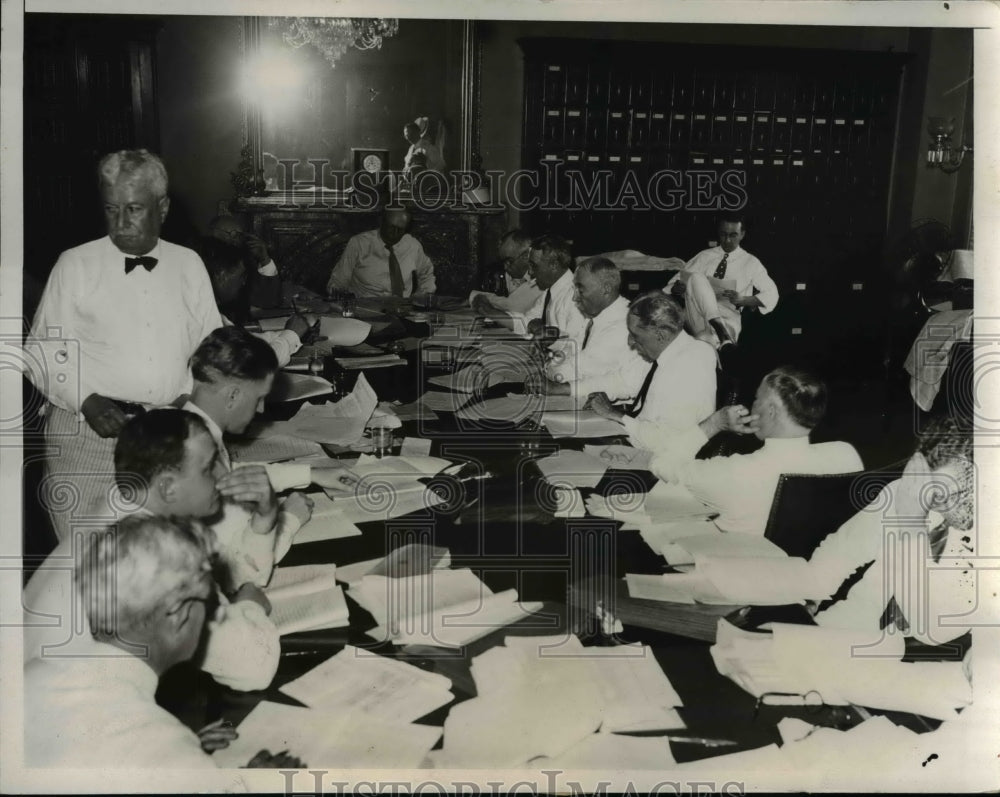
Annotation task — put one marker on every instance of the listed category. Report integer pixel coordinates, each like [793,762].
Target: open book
[306,598]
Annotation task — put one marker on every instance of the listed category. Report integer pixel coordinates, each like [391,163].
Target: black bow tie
[145,261]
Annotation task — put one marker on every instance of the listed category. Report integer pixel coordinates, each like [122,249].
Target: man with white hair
[147,592]
[117,322]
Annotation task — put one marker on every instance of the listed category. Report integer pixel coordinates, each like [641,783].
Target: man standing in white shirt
[147,593]
[384,262]
[513,289]
[550,260]
[119,316]
[789,404]
[677,390]
[604,362]
[714,315]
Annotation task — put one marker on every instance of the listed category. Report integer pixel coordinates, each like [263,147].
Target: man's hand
[250,485]
[735,418]
[103,415]
[481,304]
[301,323]
[679,288]
[251,592]
[601,404]
[257,249]
[283,760]
[333,475]
[299,505]
[217,735]
[536,327]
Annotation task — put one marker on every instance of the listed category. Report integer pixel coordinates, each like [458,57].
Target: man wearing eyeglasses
[147,594]
[511,289]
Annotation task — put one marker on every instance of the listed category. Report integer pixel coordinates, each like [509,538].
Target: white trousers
[702,306]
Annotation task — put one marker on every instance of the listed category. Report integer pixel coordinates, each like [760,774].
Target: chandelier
[333,35]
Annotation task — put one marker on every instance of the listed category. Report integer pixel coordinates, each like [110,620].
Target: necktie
[720,270]
[586,335]
[545,308]
[145,261]
[395,274]
[640,398]
[893,614]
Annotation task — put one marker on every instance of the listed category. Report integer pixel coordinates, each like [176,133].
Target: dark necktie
[586,334]
[395,274]
[145,261]
[893,614]
[640,398]
[720,270]
[545,308]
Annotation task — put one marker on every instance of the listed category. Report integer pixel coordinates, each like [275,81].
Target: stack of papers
[582,423]
[663,503]
[388,487]
[306,598]
[408,560]
[273,448]
[444,608]
[543,696]
[328,740]
[689,550]
[572,469]
[368,686]
[375,361]
[342,423]
[676,588]
[511,409]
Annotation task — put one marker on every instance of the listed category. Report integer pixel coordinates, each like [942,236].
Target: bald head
[394,224]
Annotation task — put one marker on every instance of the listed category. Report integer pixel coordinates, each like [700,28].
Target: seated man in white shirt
[906,559]
[714,316]
[385,262]
[550,263]
[511,289]
[146,592]
[678,389]
[167,465]
[233,372]
[789,404]
[263,283]
[604,356]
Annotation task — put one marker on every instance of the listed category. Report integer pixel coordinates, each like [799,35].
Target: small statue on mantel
[423,153]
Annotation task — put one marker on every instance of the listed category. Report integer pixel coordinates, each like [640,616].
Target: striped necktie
[720,270]
[640,398]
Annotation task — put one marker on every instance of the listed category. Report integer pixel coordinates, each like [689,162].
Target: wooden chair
[807,508]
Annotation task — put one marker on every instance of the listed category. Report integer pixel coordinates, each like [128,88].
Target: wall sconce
[939,152]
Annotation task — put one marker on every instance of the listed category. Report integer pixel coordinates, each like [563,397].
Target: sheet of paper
[572,469]
[397,562]
[444,402]
[659,535]
[761,581]
[322,740]
[293,387]
[273,448]
[273,324]
[471,379]
[621,457]
[343,331]
[569,503]
[687,550]
[341,423]
[419,446]
[383,504]
[415,411]
[609,751]
[327,522]
[377,361]
[675,588]
[580,424]
[511,409]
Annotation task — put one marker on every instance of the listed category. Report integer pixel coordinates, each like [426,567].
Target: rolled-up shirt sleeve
[767,290]
[243,649]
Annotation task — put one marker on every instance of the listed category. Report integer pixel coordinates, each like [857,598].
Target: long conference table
[510,537]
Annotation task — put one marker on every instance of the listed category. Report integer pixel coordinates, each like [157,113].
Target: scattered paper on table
[273,448]
[306,598]
[419,446]
[622,457]
[687,550]
[675,588]
[572,469]
[294,387]
[343,331]
[584,423]
[327,523]
[512,409]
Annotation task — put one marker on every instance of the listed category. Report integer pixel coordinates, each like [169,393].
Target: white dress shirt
[741,266]
[606,364]
[125,336]
[100,712]
[563,311]
[364,267]
[681,395]
[284,342]
[242,649]
[741,487]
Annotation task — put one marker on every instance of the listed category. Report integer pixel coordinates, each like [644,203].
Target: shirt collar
[213,427]
[563,283]
[786,442]
[154,252]
[675,346]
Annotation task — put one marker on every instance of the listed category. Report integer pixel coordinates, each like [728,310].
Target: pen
[701,740]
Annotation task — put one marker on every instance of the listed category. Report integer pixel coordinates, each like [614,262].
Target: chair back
[808,507]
